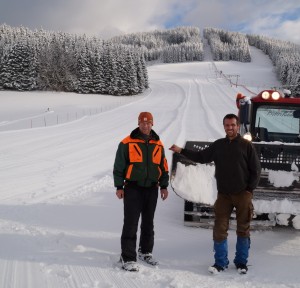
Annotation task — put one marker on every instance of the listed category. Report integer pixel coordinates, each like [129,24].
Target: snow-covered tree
[227,45]
[285,57]
[130,74]
[18,69]
[166,45]
[141,72]
[97,67]
[84,72]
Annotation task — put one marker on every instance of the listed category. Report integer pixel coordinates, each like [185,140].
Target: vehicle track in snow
[192,119]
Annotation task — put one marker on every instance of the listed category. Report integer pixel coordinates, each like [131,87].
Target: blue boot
[221,253]
[242,250]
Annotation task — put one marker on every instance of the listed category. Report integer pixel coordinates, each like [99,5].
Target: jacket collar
[237,138]
[136,134]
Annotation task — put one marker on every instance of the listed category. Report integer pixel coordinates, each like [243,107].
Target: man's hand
[175,148]
[164,194]
[120,193]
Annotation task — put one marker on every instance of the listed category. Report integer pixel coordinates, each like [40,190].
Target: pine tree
[131,81]
[19,66]
[84,72]
[110,69]
[98,72]
[142,76]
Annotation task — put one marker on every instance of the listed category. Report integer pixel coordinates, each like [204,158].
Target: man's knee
[220,231]
[222,209]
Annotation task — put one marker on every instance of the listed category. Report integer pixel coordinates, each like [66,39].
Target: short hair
[231,116]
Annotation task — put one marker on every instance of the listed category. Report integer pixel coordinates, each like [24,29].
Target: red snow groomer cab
[271,120]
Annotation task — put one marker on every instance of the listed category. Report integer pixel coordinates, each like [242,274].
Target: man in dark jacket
[140,168]
[237,172]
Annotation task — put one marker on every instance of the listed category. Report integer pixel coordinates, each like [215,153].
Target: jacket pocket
[156,155]
[135,153]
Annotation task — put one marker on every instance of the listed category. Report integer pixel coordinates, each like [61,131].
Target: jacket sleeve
[254,168]
[164,178]
[120,165]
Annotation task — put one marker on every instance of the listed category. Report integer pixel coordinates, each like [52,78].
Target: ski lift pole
[237,78]
[233,75]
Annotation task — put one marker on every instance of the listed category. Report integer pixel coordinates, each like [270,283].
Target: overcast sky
[278,19]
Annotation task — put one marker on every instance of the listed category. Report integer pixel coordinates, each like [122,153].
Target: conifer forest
[56,61]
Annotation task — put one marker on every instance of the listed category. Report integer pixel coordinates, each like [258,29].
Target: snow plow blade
[277,161]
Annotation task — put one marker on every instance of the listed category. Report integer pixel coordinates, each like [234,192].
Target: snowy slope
[60,221]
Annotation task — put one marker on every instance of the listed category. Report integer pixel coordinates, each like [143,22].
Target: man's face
[145,127]
[231,127]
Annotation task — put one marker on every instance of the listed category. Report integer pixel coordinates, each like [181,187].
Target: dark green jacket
[236,162]
[141,161]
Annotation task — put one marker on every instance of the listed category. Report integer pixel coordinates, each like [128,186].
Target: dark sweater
[236,161]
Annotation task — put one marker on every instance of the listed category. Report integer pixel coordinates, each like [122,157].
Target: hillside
[54,61]
[60,220]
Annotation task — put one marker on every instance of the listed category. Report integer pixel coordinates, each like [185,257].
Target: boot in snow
[215,269]
[242,268]
[221,257]
[131,266]
[242,254]
[148,258]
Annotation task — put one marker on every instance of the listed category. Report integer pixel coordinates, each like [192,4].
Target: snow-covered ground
[60,220]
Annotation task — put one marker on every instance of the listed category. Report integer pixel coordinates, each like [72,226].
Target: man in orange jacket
[140,168]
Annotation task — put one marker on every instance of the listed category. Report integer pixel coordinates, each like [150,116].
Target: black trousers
[138,201]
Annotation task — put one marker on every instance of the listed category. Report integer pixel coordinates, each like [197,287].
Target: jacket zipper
[147,160]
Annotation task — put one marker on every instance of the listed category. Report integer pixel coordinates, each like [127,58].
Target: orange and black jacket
[141,161]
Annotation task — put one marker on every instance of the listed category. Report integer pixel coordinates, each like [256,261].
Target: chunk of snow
[195,183]
[283,219]
[294,167]
[282,178]
[296,222]
[276,206]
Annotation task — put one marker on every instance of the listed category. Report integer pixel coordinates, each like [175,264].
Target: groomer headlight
[248,136]
[265,95]
[275,95]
